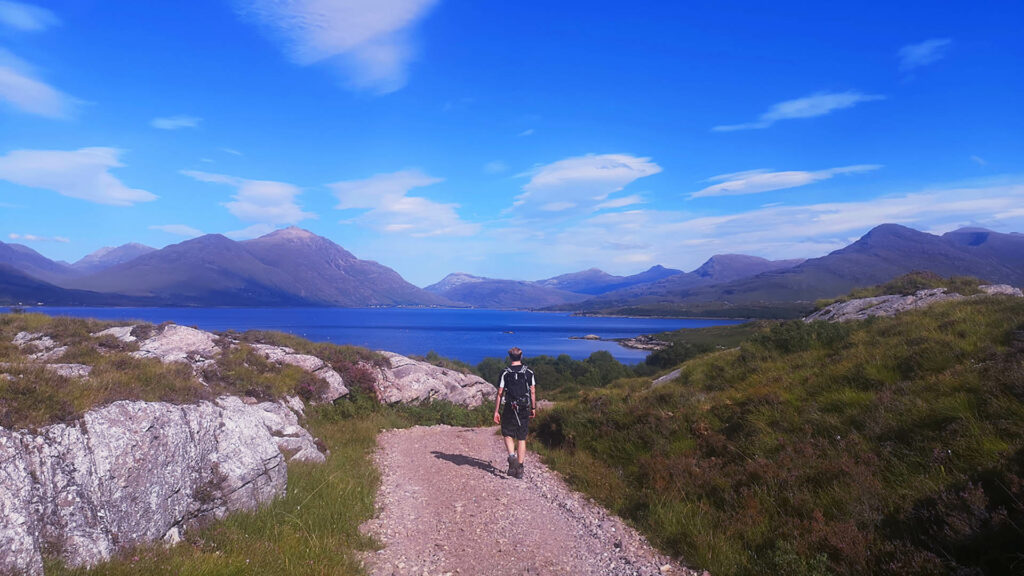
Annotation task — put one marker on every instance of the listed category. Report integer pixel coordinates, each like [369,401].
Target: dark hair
[515,354]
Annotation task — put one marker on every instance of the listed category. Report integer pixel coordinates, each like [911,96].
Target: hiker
[517,386]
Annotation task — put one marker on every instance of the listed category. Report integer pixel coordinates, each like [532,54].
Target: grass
[894,445]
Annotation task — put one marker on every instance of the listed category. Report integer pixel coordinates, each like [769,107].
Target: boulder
[134,472]
[122,333]
[176,343]
[39,347]
[283,355]
[412,382]
[1002,289]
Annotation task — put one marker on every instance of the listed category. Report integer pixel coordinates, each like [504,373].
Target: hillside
[883,253]
[110,256]
[889,446]
[594,281]
[34,264]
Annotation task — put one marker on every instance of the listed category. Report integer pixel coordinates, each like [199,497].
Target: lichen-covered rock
[122,333]
[283,355]
[39,346]
[1002,289]
[862,308]
[411,382]
[176,343]
[135,472]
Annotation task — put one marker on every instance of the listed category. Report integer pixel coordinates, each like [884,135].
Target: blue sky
[508,139]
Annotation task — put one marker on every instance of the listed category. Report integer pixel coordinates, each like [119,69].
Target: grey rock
[39,346]
[71,370]
[862,308]
[1002,289]
[666,378]
[176,343]
[412,382]
[136,472]
[122,333]
[283,355]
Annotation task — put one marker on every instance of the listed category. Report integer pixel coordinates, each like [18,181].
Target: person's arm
[533,397]
[497,400]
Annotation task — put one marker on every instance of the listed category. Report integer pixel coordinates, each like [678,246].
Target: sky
[508,139]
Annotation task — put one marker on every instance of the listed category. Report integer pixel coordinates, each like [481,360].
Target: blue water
[467,335]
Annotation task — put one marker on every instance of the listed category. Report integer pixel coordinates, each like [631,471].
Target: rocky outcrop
[39,347]
[176,343]
[283,355]
[890,305]
[135,472]
[410,381]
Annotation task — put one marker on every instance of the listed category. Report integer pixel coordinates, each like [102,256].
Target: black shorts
[513,427]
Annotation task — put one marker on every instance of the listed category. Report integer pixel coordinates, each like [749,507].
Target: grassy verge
[314,529]
[890,446]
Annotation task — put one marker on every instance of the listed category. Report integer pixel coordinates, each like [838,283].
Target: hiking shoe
[513,464]
[519,470]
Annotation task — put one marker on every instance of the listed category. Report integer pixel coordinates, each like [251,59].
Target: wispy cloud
[35,238]
[812,106]
[582,182]
[178,230]
[527,132]
[26,17]
[757,181]
[231,151]
[979,160]
[388,207]
[370,39]
[20,89]
[264,202]
[927,52]
[254,231]
[83,173]
[175,122]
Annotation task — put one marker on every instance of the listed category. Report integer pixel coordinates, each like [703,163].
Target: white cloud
[621,202]
[583,182]
[369,39]
[979,160]
[175,122]
[757,181]
[35,238]
[26,17]
[20,89]
[927,52]
[178,230]
[527,132]
[232,151]
[682,240]
[389,208]
[262,201]
[83,173]
[812,106]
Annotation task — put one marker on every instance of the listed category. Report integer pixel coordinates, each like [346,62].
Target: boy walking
[517,386]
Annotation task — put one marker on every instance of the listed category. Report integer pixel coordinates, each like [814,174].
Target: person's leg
[510,444]
[521,452]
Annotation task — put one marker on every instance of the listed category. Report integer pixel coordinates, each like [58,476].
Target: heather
[894,445]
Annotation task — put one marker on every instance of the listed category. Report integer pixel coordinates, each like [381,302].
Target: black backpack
[517,386]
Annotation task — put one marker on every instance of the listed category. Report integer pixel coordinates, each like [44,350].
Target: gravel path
[446,507]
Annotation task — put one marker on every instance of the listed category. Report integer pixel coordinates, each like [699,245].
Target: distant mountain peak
[291,232]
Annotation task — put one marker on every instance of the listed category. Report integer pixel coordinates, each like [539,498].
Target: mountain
[883,253]
[325,274]
[594,281]
[291,267]
[729,267]
[34,264]
[492,293]
[19,289]
[108,256]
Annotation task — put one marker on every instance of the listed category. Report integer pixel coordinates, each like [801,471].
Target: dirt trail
[447,507]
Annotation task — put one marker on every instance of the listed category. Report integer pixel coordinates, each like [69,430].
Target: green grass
[894,445]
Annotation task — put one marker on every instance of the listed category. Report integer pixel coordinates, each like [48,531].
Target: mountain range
[294,267]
